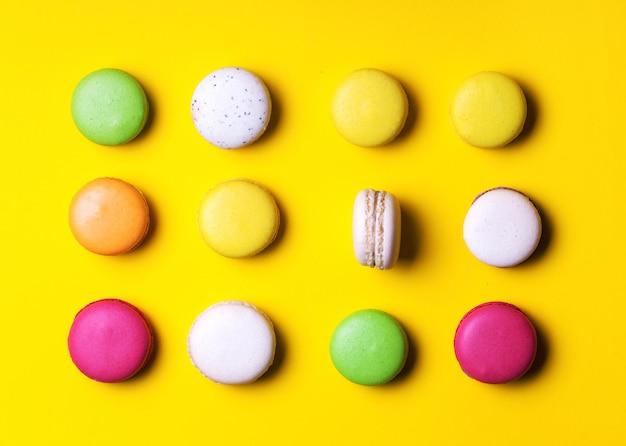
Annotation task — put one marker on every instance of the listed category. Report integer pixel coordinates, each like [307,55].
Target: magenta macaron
[495,343]
[110,340]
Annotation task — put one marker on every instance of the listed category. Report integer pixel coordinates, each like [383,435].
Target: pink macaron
[495,343]
[110,340]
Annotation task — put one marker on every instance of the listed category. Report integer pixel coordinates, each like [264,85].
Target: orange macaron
[109,216]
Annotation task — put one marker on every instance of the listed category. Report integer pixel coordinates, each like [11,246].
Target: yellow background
[569,56]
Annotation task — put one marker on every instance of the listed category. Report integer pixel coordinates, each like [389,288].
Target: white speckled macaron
[376,229]
[231,108]
[232,342]
[502,227]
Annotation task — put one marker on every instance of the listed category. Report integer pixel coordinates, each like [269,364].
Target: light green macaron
[369,347]
[109,107]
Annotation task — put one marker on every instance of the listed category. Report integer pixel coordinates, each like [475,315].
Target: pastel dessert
[232,342]
[109,107]
[488,110]
[110,340]
[238,218]
[369,347]
[109,216]
[376,229]
[502,227]
[369,108]
[495,343]
[231,108]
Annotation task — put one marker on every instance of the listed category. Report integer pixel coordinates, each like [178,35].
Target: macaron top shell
[369,347]
[238,218]
[231,108]
[109,216]
[502,228]
[232,342]
[110,340]
[109,107]
[376,228]
[495,343]
[488,110]
[369,108]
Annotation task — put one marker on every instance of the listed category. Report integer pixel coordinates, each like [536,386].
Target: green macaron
[369,347]
[109,107]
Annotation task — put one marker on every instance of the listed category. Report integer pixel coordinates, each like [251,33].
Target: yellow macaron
[369,108]
[488,110]
[238,218]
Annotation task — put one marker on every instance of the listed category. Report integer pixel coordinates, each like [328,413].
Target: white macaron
[231,108]
[376,229]
[502,227]
[232,342]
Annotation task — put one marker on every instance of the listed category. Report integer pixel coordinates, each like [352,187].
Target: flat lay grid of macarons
[392,220]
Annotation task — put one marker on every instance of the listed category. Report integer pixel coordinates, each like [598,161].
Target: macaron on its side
[495,343]
[110,340]
[232,342]
[502,227]
[376,229]
[109,216]
[231,108]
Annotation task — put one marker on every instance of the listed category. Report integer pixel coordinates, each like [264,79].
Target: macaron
[369,347]
[488,110]
[376,229]
[369,108]
[502,227]
[110,340]
[495,343]
[238,218]
[231,107]
[109,216]
[109,107]
[232,342]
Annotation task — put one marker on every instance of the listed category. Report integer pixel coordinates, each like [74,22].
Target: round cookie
[110,340]
[495,343]
[502,227]
[376,229]
[369,347]
[369,108]
[231,108]
[232,342]
[109,216]
[238,218]
[109,107]
[488,110]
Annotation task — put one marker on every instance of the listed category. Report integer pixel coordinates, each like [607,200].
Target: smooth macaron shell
[109,107]
[502,227]
[109,216]
[488,110]
[376,228]
[238,218]
[495,343]
[369,347]
[110,340]
[232,342]
[369,108]
[231,107]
